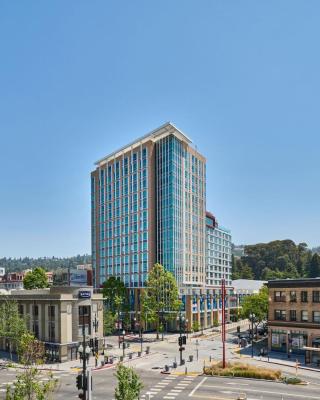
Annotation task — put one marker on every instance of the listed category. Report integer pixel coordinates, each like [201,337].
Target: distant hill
[48,263]
[273,260]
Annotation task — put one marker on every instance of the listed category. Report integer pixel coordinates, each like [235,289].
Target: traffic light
[180,341]
[96,344]
[91,343]
[79,382]
[184,339]
[238,329]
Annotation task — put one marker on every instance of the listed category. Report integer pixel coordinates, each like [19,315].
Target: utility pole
[223,331]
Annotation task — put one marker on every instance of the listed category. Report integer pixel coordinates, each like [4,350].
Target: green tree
[114,293]
[12,324]
[246,272]
[36,279]
[160,299]
[314,267]
[28,385]
[109,321]
[256,304]
[129,384]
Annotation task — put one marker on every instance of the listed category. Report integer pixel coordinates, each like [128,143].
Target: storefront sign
[84,294]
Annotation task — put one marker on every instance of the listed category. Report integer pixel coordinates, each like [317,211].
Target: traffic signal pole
[223,330]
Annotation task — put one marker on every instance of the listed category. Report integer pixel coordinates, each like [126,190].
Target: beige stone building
[294,317]
[57,315]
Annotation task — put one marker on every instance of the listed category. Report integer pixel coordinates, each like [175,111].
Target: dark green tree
[114,293]
[36,279]
[314,267]
[160,299]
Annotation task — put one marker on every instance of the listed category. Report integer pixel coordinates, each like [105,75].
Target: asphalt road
[173,387]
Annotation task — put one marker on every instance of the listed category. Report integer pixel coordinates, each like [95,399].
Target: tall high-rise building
[219,254]
[148,205]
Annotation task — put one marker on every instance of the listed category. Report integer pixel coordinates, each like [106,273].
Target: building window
[279,296]
[84,320]
[35,310]
[21,310]
[316,316]
[293,296]
[316,296]
[304,297]
[52,331]
[280,315]
[293,315]
[304,316]
[51,311]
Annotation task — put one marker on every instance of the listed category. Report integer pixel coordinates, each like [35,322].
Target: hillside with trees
[47,263]
[279,259]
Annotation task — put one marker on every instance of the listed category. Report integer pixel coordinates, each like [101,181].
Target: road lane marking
[197,387]
[303,396]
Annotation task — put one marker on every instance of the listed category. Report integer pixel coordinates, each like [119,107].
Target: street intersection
[184,381]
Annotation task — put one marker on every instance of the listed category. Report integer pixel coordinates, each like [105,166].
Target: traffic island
[241,370]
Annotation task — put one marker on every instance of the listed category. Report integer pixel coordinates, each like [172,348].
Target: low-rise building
[294,317]
[58,315]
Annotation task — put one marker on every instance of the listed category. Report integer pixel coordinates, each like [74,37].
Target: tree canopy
[273,260]
[129,384]
[256,304]
[36,279]
[114,293]
[48,263]
[160,299]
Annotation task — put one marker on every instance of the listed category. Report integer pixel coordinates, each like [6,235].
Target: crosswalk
[42,378]
[168,388]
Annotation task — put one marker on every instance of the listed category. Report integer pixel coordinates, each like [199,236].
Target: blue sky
[79,79]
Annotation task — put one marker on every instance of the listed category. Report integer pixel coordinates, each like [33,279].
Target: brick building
[294,317]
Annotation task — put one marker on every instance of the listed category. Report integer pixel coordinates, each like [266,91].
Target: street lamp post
[123,342]
[180,319]
[252,317]
[186,328]
[197,349]
[119,327]
[96,343]
[84,351]
[289,350]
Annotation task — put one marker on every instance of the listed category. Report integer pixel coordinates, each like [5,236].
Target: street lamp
[252,318]
[123,342]
[180,319]
[84,351]
[95,349]
[289,350]
[197,349]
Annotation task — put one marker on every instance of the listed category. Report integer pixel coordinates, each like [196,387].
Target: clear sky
[78,79]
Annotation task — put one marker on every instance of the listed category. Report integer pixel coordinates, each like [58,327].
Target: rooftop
[164,130]
[296,283]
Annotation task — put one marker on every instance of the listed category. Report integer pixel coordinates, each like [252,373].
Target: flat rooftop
[164,130]
[294,283]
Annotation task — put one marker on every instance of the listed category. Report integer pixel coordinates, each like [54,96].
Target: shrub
[195,326]
[292,380]
[242,371]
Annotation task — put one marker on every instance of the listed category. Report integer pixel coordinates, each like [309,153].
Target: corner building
[148,205]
